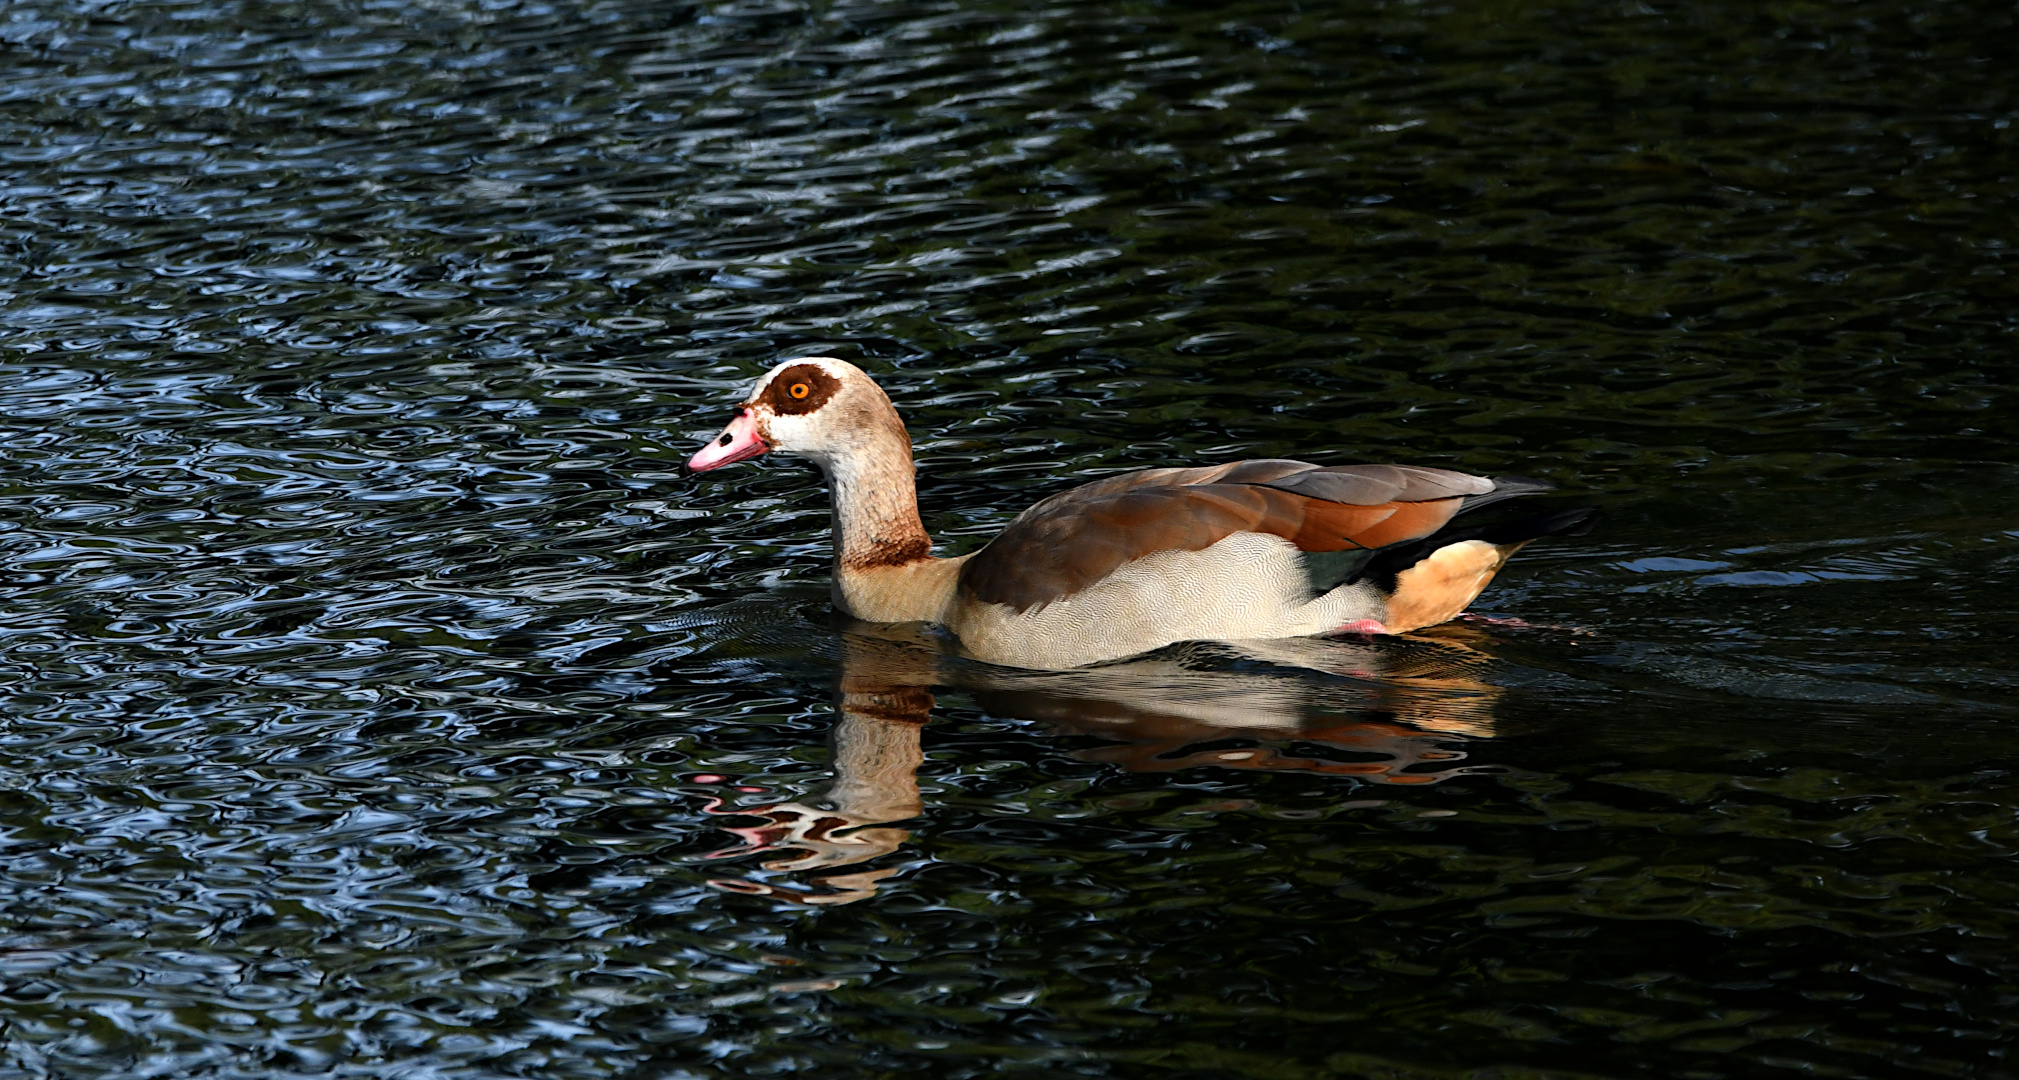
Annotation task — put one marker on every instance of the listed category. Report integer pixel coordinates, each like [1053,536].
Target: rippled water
[378,700]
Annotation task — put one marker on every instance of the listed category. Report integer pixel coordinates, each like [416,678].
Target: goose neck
[875,495]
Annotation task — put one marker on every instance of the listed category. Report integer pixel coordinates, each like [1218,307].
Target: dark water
[379,702]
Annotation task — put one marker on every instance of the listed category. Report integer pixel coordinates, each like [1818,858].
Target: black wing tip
[1570,521]
[1506,487]
[1390,561]
[1575,521]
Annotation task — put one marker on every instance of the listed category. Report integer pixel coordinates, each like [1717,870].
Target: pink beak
[738,442]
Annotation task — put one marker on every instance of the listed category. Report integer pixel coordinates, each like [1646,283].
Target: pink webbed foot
[1362,626]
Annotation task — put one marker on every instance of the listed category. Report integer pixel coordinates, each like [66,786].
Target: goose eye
[799,390]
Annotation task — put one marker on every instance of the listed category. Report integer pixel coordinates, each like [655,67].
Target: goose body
[1268,548]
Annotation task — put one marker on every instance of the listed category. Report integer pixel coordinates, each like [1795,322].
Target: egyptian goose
[1266,548]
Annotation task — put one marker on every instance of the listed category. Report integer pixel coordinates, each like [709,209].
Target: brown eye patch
[799,389]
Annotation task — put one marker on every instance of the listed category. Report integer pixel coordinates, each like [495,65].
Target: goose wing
[1076,538]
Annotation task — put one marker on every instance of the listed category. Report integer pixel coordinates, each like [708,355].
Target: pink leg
[1362,626]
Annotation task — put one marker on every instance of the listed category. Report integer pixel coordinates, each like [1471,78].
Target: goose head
[815,407]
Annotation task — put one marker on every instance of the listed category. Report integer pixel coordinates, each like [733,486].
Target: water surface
[379,701]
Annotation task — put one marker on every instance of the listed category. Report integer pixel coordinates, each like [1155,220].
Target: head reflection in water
[1384,714]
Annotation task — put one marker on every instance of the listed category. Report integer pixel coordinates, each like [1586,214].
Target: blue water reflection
[380,701]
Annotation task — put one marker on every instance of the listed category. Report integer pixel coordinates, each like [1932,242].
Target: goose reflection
[1394,713]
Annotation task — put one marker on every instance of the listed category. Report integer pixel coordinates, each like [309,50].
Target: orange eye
[800,390]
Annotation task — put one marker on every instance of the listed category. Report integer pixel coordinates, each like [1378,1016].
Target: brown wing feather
[1410,521]
[1367,484]
[1075,538]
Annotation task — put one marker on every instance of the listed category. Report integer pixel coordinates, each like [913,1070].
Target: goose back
[1079,538]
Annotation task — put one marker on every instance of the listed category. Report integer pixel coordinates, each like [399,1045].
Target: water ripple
[381,702]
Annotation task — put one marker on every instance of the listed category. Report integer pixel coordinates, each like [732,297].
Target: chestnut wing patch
[1076,538]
